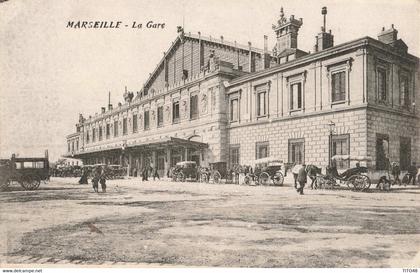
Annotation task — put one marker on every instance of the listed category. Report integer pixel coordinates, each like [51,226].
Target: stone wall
[312,128]
[394,125]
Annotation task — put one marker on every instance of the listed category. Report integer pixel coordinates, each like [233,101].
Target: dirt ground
[193,224]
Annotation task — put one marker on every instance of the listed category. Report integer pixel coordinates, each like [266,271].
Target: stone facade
[351,99]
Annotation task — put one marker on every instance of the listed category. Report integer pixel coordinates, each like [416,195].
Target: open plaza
[163,223]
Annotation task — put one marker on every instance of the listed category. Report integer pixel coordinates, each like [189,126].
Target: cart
[355,178]
[267,171]
[185,170]
[27,171]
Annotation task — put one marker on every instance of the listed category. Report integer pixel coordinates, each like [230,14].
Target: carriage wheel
[180,177]
[217,178]
[264,178]
[278,179]
[367,182]
[29,183]
[4,184]
[204,178]
[358,182]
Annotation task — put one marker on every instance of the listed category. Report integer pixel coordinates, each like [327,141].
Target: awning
[139,145]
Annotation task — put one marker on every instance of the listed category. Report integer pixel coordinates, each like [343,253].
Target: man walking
[295,171]
[301,178]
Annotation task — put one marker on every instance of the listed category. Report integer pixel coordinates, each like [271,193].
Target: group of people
[149,171]
[99,177]
[396,172]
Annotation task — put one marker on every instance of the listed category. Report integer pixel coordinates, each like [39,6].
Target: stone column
[154,159]
[130,160]
[167,160]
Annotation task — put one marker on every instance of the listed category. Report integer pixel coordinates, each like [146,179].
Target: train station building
[211,100]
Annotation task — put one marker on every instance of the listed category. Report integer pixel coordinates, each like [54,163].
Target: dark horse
[312,171]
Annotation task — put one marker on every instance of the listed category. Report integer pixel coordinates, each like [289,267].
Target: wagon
[27,171]
[267,171]
[185,170]
[215,173]
[354,178]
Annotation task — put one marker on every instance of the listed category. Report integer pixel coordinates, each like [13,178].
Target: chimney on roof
[324,39]
[286,30]
[266,56]
[388,36]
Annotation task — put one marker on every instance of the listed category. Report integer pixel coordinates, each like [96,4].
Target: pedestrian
[95,180]
[301,178]
[102,179]
[155,173]
[295,172]
[84,178]
[412,171]
[396,171]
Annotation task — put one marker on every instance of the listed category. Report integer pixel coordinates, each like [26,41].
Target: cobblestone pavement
[162,223]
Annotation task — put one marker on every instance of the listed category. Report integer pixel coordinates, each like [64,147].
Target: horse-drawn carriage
[27,171]
[267,171]
[355,178]
[184,170]
[215,173]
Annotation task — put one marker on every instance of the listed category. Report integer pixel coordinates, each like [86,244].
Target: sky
[49,73]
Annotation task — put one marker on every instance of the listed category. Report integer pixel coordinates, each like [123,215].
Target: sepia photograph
[209,134]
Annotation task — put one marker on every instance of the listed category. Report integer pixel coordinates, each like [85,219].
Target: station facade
[210,100]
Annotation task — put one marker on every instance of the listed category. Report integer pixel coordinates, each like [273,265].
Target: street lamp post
[332,126]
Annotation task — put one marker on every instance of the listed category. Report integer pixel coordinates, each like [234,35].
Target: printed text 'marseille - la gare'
[112,24]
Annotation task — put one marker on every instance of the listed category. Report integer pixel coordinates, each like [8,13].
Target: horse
[312,172]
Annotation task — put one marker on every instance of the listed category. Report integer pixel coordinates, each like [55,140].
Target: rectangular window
[116,128]
[87,137]
[234,155]
[261,104]
[234,109]
[160,116]
[93,134]
[338,83]
[108,130]
[382,151]
[382,85]
[100,133]
[404,91]
[262,149]
[341,146]
[296,96]
[135,127]
[405,153]
[124,126]
[146,120]
[72,146]
[194,107]
[68,147]
[297,151]
[175,112]
[77,145]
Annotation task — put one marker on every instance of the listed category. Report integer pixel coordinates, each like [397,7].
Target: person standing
[102,179]
[95,179]
[412,171]
[396,171]
[84,178]
[155,174]
[301,178]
